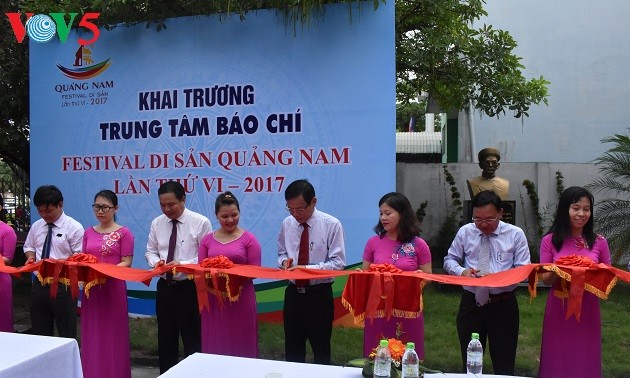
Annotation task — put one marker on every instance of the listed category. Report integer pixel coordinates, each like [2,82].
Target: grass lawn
[441,343]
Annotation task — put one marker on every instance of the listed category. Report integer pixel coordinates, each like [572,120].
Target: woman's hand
[549,278]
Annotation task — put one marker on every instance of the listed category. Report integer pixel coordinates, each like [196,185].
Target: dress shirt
[191,228]
[326,243]
[508,249]
[67,238]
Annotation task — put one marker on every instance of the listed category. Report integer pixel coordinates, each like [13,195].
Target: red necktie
[303,256]
[172,242]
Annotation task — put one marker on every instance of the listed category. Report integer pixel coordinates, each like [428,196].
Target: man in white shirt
[308,304]
[488,245]
[180,231]
[55,236]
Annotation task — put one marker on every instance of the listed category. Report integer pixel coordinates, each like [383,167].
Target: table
[213,365]
[455,375]
[31,356]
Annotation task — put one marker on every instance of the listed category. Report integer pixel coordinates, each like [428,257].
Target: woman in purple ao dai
[572,348]
[233,329]
[396,243]
[104,317]
[8,240]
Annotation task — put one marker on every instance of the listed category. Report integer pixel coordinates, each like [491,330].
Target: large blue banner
[221,104]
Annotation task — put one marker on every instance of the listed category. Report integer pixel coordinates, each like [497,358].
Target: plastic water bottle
[474,357]
[410,362]
[382,361]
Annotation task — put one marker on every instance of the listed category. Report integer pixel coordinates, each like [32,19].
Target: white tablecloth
[212,365]
[30,356]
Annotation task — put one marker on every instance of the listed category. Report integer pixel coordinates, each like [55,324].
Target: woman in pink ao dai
[233,329]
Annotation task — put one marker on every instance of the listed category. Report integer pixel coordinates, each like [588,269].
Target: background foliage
[612,216]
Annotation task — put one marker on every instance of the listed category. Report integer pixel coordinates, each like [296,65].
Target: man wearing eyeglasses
[485,246]
[55,236]
[174,239]
[309,239]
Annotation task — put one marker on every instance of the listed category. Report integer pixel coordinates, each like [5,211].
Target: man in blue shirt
[488,245]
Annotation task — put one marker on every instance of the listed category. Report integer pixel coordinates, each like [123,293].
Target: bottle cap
[384,343]
[411,345]
[474,336]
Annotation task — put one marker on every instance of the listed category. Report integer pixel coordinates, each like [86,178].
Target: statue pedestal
[509,211]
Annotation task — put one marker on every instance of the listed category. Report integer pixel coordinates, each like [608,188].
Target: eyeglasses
[297,210]
[481,220]
[103,208]
[46,210]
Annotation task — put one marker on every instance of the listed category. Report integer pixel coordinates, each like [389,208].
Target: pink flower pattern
[405,249]
[580,243]
[108,241]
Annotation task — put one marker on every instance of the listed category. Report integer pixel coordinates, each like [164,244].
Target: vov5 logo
[42,28]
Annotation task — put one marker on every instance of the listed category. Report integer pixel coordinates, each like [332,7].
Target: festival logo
[84,67]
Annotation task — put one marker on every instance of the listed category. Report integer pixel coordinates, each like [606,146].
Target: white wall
[426,182]
[583,48]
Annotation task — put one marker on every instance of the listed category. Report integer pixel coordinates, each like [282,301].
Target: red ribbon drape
[397,293]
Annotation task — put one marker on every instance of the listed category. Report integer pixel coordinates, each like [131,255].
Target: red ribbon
[599,278]
[382,290]
[202,291]
[218,262]
[209,278]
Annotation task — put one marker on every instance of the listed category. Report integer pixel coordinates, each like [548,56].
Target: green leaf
[357,362]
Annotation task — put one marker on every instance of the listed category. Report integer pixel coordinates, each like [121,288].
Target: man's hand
[31,260]
[286,264]
[471,273]
[173,263]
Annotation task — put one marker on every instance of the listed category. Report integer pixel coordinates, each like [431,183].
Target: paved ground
[141,367]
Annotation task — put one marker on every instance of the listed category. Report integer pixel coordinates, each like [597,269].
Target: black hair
[487,197]
[561,227]
[47,195]
[300,187]
[408,225]
[108,195]
[225,199]
[173,187]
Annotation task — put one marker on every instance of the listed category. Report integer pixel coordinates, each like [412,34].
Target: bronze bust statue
[489,163]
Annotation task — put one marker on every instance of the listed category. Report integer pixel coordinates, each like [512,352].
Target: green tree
[14,126]
[439,52]
[613,213]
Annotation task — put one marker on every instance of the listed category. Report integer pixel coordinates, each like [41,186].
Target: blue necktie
[47,242]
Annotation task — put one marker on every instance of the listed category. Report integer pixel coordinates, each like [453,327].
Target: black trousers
[177,313]
[46,311]
[497,321]
[308,316]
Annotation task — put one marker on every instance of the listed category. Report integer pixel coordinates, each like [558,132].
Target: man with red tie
[309,239]
[173,240]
